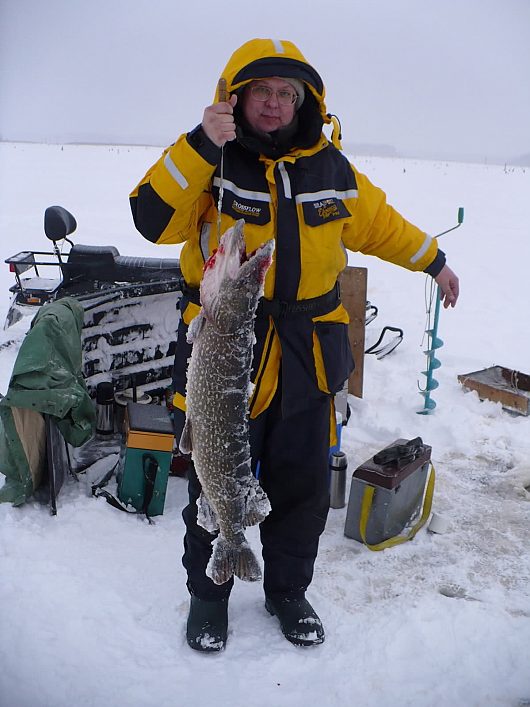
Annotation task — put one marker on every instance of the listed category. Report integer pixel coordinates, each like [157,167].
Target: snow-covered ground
[93,603]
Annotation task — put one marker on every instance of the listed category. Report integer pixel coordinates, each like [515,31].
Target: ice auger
[434,342]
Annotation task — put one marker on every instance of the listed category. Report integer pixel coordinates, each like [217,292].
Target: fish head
[233,280]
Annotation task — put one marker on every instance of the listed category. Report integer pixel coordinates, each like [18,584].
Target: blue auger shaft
[434,343]
[433,336]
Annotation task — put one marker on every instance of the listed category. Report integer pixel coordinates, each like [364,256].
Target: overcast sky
[433,78]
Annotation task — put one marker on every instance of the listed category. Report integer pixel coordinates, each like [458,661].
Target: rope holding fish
[223,98]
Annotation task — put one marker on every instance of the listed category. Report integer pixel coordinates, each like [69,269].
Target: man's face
[271,114]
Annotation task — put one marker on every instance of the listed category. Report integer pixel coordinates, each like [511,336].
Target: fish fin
[257,505]
[185,444]
[195,327]
[206,516]
[228,559]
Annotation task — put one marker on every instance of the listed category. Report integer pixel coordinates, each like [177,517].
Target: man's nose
[273,99]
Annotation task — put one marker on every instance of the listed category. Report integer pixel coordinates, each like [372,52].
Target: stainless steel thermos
[105,408]
[338,464]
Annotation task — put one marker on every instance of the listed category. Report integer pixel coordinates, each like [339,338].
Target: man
[265,148]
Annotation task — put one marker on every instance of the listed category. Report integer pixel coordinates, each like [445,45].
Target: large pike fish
[217,394]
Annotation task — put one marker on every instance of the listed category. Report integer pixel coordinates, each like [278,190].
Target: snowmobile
[130,305]
[130,314]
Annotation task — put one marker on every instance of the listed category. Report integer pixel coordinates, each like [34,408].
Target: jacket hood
[262,58]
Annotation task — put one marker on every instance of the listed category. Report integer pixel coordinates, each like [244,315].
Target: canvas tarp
[47,379]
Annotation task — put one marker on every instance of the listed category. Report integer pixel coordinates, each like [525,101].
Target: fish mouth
[233,280]
[262,257]
[230,266]
[230,254]
[232,251]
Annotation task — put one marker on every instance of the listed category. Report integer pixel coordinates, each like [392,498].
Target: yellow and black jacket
[299,189]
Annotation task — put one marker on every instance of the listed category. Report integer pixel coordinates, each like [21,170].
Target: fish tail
[229,559]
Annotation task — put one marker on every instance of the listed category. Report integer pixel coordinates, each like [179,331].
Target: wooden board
[500,385]
[353,288]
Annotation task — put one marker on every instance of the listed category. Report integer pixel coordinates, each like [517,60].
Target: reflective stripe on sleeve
[175,172]
[424,248]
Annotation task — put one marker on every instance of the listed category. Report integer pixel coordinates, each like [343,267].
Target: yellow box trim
[149,440]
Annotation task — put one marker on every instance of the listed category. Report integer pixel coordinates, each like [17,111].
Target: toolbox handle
[366,507]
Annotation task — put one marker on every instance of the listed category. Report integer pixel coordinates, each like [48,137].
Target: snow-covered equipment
[130,305]
[500,385]
[434,341]
[389,492]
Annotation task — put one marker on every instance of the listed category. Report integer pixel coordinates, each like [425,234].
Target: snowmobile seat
[129,268]
[104,263]
[86,262]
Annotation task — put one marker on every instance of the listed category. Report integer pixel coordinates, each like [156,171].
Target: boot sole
[206,648]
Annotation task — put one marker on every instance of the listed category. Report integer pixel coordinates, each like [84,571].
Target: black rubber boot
[299,622]
[207,626]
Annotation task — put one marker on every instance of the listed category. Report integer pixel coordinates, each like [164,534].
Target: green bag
[47,379]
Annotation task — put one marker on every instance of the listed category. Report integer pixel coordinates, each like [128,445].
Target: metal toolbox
[397,498]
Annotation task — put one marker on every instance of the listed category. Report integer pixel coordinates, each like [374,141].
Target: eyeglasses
[263,93]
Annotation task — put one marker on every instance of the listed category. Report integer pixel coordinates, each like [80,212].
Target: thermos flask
[338,463]
[104,408]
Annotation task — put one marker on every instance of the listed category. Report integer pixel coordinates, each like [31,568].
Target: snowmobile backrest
[58,223]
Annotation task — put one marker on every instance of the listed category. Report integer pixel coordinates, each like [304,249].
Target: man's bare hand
[448,282]
[218,121]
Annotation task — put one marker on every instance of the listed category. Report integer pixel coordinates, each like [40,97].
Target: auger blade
[433,362]
[436,342]
[427,374]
